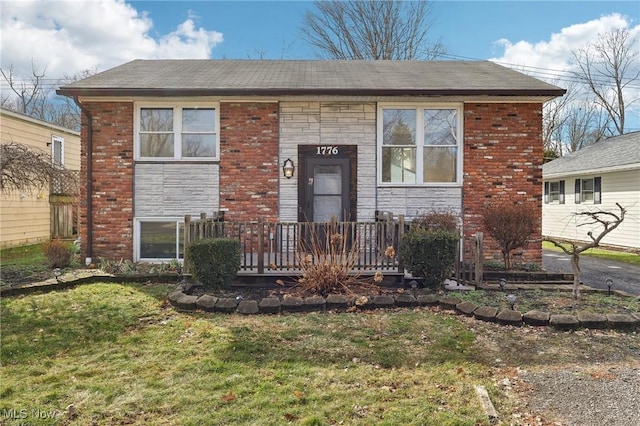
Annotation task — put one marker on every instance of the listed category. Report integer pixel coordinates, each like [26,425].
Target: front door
[327,186]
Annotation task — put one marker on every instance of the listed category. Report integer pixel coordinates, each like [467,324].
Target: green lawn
[619,256]
[121,355]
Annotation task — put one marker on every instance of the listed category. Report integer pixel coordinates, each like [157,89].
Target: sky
[67,37]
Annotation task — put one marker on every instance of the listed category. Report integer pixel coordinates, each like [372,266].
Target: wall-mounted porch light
[288,168]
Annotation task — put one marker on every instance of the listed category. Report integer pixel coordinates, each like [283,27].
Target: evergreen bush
[214,262]
[430,254]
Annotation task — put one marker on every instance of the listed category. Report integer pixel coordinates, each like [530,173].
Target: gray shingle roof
[264,77]
[613,153]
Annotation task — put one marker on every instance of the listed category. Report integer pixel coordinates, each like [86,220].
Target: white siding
[329,123]
[560,221]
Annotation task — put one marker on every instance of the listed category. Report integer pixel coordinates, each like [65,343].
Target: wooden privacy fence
[279,247]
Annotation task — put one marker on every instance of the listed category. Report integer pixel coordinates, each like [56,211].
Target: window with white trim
[588,191]
[177,132]
[419,145]
[57,150]
[554,192]
[159,239]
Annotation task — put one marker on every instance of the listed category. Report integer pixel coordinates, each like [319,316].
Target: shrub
[446,221]
[214,262]
[429,254]
[327,258]
[58,253]
[510,224]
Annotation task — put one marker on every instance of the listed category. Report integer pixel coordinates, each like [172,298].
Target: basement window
[159,239]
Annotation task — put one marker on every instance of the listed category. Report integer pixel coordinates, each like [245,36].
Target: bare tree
[28,169]
[607,220]
[35,98]
[608,66]
[371,30]
[29,96]
[572,122]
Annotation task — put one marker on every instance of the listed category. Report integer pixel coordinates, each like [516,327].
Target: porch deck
[273,249]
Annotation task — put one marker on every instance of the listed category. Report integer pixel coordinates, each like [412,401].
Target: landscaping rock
[509,317]
[248,307]
[174,296]
[405,300]
[536,318]
[466,308]
[292,304]
[186,302]
[486,313]
[636,316]
[383,301]
[449,302]
[622,321]
[427,300]
[336,301]
[314,303]
[226,304]
[564,322]
[269,305]
[594,321]
[206,302]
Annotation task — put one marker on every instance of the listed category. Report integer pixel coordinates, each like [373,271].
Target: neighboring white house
[594,178]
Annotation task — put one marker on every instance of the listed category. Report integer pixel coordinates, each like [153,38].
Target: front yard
[118,354]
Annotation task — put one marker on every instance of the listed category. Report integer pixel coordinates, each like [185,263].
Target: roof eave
[182,92]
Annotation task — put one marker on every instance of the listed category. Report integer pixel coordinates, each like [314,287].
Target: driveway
[595,272]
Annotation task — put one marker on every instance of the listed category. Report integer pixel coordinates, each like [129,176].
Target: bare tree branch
[601,218]
[371,30]
[28,169]
[607,67]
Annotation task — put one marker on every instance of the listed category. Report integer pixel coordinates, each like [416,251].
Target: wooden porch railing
[275,248]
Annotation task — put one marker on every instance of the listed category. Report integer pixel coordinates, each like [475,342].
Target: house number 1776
[327,150]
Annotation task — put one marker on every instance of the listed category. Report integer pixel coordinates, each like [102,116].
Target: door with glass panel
[327,190]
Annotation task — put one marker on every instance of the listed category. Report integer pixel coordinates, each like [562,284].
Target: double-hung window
[554,192]
[588,190]
[419,145]
[185,132]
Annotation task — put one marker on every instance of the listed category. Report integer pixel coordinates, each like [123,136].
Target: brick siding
[249,169]
[112,180]
[502,161]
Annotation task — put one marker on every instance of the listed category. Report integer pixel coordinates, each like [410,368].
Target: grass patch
[618,256]
[121,355]
[23,264]
[554,302]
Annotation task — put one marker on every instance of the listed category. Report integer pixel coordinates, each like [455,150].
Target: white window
[170,132]
[159,239]
[57,150]
[588,191]
[419,145]
[554,192]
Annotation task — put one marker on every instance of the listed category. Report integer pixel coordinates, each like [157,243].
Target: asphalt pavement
[595,271]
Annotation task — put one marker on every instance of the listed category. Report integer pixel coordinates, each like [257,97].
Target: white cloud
[552,59]
[67,37]
[556,53]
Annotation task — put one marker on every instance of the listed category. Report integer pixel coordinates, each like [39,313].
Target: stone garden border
[337,302]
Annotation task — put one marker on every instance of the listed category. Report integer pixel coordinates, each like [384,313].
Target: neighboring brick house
[165,138]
